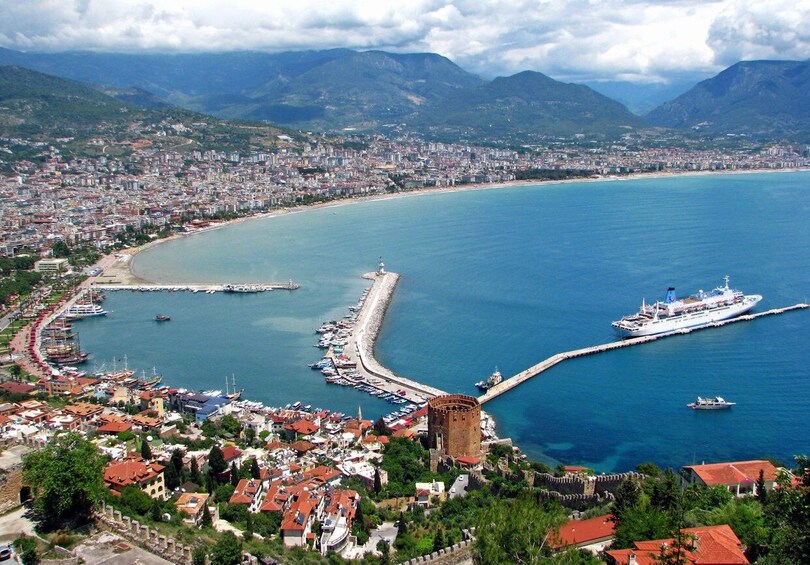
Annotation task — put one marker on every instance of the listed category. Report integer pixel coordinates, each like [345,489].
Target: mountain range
[342,89]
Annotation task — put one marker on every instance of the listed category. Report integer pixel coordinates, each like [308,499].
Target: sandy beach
[117,268]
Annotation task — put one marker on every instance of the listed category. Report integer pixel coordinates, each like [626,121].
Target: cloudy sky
[577,40]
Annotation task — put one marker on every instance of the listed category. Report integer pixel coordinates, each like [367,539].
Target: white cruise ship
[696,310]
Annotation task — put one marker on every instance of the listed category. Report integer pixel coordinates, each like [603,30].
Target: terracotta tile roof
[734,472]
[302,427]
[17,388]
[322,473]
[191,502]
[114,427]
[575,532]
[713,545]
[131,471]
[245,491]
[230,452]
[84,409]
[302,446]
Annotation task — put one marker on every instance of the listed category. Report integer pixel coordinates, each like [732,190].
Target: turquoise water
[506,278]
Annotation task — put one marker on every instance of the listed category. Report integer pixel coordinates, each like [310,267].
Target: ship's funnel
[670,296]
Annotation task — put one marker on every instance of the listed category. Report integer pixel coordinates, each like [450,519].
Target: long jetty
[203,287]
[508,384]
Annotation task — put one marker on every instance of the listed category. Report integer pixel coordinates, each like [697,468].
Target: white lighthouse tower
[381,267]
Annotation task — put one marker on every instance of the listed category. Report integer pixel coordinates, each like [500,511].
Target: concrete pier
[360,345]
[204,287]
[512,382]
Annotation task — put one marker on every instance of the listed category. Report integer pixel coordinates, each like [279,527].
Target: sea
[504,278]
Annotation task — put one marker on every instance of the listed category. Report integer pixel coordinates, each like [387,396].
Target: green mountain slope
[526,105]
[757,98]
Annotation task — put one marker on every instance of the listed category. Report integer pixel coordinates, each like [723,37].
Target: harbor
[520,378]
[349,359]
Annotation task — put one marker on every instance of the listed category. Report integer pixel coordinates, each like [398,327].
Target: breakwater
[534,370]
[361,343]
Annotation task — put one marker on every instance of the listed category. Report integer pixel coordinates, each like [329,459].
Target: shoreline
[125,274]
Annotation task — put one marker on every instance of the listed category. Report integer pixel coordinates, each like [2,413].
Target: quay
[359,347]
[508,384]
[209,288]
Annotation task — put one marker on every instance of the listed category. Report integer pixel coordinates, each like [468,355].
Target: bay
[507,277]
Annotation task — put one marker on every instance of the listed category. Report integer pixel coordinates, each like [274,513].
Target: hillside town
[188,476]
[91,201]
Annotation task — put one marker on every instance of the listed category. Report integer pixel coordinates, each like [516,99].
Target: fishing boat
[162,318]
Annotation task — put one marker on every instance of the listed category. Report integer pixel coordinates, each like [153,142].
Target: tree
[255,472]
[227,551]
[216,460]
[248,527]
[199,554]
[27,550]
[250,435]
[135,500]
[156,510]
[377,481]
[146,451]
[234,474]
[438,540]
[194,474]
[206,521]
[66,479]
[787,514]
[516,531]
[762,494]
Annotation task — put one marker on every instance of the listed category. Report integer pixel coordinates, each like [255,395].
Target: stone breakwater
[368,327]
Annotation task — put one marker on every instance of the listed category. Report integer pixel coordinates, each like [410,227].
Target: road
[386,531]
[459,487]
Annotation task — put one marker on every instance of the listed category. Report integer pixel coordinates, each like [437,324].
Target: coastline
[124,273]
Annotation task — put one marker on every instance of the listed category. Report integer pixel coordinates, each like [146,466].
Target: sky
[575,40]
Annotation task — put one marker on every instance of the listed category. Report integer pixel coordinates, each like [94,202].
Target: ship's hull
[691,320]
[711,406]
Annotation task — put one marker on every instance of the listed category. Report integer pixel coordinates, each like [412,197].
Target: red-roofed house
[323,475]
[12,387]
[594,534]
[296,525]
[114,428]
[739,477]
[249,492]
[136,471]
[192,503]
[300,429]
[707,545]
[341,506]
[230,453]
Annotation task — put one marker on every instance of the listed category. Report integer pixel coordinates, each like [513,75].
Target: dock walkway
[512,382]
[203,287]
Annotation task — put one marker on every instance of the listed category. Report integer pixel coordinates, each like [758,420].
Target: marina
[518,379]
[349,360]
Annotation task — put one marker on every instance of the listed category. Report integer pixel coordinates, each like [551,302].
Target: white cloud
[567,39]
[747,30]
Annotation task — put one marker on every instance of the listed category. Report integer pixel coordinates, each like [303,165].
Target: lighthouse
[381,267]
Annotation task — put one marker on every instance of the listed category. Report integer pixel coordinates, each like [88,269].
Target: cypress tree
[438,540]
[146,451]
[255,472]
[206,521]
[377,481]
[234,474]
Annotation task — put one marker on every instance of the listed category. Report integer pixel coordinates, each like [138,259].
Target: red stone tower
[454,425]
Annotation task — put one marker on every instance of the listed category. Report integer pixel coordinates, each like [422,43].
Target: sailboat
[236,394]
